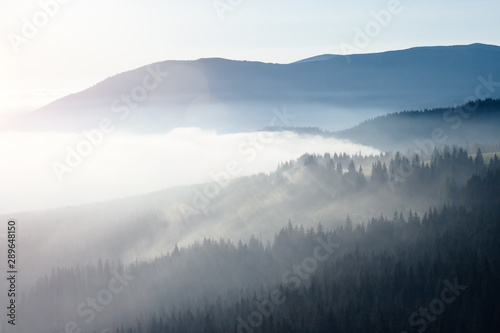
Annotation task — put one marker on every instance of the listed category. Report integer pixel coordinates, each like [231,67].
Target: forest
[472,123]
[432,270]
[230,166]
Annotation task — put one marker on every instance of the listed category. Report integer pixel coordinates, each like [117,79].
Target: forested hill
[436,271]
[314,188]
[477,121]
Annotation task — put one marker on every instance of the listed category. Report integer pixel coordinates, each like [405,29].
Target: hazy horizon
[44,62]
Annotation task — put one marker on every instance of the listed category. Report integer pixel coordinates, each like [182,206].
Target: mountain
[312,189]
[124,254]
[225,95]
[423,130]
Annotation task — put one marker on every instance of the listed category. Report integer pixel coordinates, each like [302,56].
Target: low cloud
[126,164]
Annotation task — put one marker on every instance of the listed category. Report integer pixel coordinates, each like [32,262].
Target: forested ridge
[378,276]
[387,270]
[474,122]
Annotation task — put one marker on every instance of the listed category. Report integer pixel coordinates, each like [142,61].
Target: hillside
[470,123]
[312,189]
[228,95]
[388,267]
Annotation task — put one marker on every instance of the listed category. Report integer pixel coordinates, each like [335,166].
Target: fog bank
[51,169]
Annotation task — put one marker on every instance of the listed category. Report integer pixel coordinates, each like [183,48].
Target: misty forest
[386,221]
[378,274]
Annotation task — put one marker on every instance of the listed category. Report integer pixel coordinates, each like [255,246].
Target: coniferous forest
[432,269]
[230,166]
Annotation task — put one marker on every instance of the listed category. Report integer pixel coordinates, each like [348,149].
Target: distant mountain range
[229,96]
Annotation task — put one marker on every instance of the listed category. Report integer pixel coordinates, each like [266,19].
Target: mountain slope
[423,130]
[395,263]
[311,189]
[228,95]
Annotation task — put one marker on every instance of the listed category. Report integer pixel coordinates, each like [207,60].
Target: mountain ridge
[475,122]
[232,95]
[329,56]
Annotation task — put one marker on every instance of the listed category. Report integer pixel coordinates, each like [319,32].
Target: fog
[39,170]
[212,249]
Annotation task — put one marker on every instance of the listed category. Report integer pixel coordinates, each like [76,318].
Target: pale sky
[81,42]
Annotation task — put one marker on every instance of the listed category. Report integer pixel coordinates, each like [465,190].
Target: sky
[51,48]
